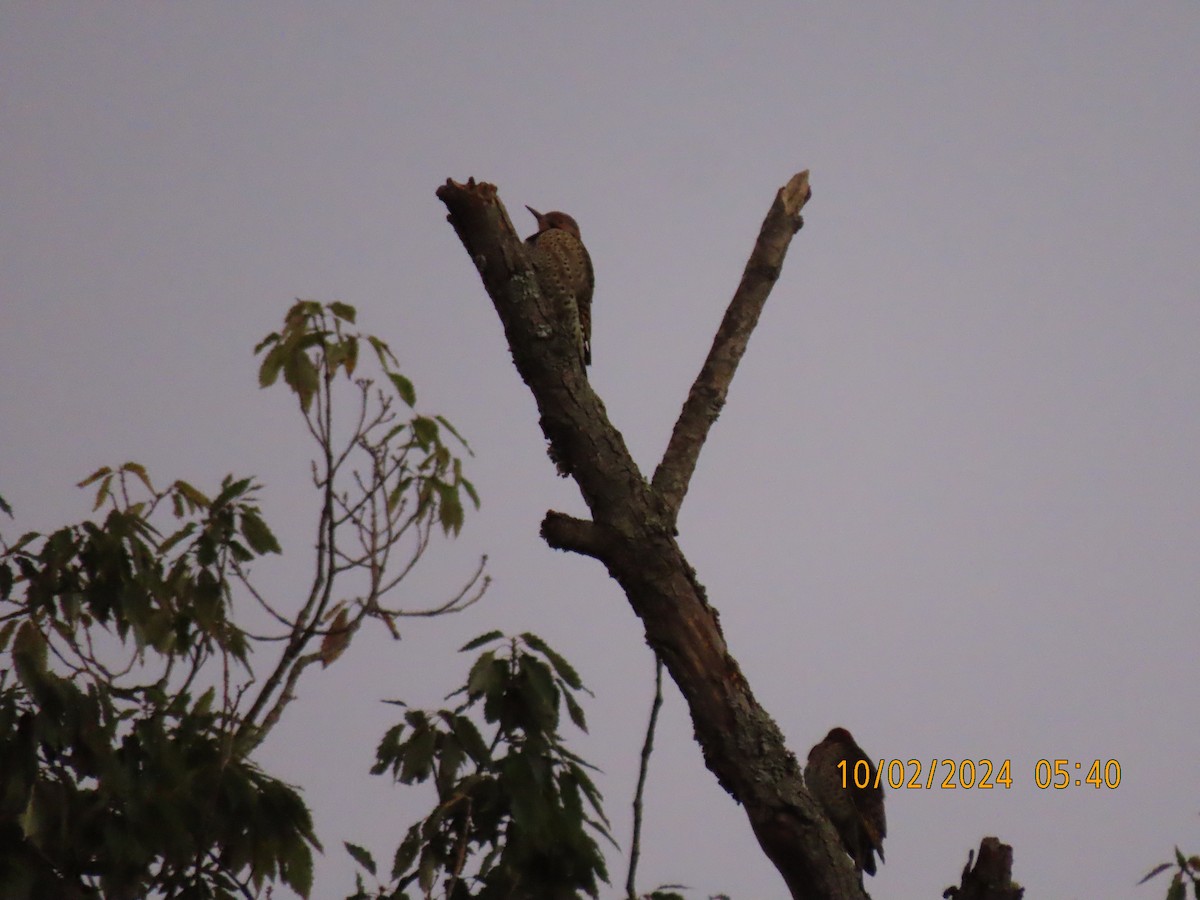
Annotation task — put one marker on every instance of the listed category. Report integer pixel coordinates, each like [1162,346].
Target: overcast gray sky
[952,503]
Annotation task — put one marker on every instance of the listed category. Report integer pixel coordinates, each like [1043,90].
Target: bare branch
[707,395]
[287,670]
[244,578]
[635,843]
[470,594]
[563,532]
[251,734]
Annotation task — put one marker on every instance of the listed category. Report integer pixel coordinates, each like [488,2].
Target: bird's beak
[537,215]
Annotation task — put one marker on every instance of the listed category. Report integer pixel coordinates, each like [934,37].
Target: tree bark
[988,877]
[632,530]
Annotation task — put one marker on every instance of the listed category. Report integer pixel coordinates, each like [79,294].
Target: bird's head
[839,736]
[556,219]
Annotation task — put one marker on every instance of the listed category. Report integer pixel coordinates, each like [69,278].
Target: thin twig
[635,845]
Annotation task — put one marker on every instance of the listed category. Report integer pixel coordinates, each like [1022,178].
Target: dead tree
[633,526]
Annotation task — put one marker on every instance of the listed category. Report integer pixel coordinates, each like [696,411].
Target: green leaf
[302,377]
[450,511]
[268,371]
[568,792]
[95,476]
[297,868]
[271,338]
[240,553]
[480,641]
[425,430]
[195,499]
[482,680]
[29,653]
[257,534]
[140,471]
[305,309]
[5,507]
[440,457]
[471,740]
[350,362]
[564,669]
[388,751]
[470,489]
[182,534]
[450,757]
[231,489]
[537,689]
[396,496]
[575,711]
[416,718]
[595,801]
[346,313]
[383,351]
[403,387]
[361,856]
[32,819]
[530,786]
[427,870]
[407,851]
[417,758]
[102,492]
[454,431]
[203,706]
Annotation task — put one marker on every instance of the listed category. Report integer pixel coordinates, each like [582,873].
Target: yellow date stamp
[977,774]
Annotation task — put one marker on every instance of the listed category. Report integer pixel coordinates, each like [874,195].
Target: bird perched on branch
[564,274]
[856,812]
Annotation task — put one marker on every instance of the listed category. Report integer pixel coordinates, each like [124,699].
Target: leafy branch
[517,813]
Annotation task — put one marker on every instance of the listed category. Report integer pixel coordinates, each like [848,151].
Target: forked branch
[633,531]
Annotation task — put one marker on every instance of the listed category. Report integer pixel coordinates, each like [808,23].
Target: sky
[951,504]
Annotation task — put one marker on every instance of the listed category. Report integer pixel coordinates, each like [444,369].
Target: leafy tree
[130,711]
[516,811]
[123,776]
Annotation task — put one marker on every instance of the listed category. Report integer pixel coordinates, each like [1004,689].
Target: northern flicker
[856,812]
[564,274]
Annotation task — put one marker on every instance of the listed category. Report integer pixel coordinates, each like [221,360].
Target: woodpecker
[564,274]
[856,812]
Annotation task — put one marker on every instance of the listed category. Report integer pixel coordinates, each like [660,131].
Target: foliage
[406,457]
[516,811]
[119,779]
[1188,872]
[386,486]
[129,712]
